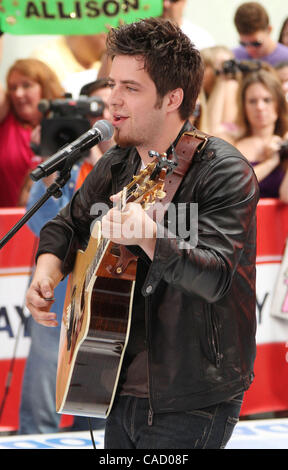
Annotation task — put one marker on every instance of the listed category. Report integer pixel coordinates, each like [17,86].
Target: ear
[175,98]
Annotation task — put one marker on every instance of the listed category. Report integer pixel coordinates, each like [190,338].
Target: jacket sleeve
[52,206]
[70,229]
[227,199]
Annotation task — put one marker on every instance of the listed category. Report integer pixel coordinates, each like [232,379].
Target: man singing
[191,347]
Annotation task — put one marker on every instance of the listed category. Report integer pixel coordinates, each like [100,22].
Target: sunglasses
[251,43]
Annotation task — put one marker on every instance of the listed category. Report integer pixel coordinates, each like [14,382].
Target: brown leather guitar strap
[190,143]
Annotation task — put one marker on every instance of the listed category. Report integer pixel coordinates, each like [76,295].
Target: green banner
[72,17]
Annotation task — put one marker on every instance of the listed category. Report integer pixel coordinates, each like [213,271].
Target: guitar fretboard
[103,244]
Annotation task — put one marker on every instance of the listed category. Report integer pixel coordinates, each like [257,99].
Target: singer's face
[25,95]
[136,113]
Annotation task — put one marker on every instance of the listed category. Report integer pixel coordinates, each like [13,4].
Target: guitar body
[94,333]
[97,312]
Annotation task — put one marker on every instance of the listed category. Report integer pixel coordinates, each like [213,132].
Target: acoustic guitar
[97,311]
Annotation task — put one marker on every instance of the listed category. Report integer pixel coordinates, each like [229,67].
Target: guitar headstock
[147,186]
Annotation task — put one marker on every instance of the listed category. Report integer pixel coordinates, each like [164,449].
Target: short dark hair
[170,58]
[91,87]
[251,17]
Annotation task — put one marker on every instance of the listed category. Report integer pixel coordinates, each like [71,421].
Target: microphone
[102,130]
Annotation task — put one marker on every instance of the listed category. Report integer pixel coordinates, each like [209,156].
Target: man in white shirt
[75,59]
[174,10]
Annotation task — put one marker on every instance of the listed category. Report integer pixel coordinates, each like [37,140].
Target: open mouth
[118,119]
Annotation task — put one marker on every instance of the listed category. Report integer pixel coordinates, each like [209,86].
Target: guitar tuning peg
[161,194]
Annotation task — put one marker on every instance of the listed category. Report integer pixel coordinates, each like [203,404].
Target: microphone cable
[91,434]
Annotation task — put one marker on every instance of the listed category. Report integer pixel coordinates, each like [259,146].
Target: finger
[48,324]
[43,317]
[46,321]
[112,216]
[42,314]
[111,228]
[40,297]
[37,301]
[46,289]
[116,197]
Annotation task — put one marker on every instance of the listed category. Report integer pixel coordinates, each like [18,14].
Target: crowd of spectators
[225,103]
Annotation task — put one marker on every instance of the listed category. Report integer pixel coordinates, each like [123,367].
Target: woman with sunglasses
[263,115]
[254,29]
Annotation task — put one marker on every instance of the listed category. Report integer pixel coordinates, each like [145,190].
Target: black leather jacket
[199,302]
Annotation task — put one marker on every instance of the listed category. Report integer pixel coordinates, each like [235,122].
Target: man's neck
[264,133]
[165,140]
[271,46]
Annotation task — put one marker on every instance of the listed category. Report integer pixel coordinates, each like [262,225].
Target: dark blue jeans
[208,428]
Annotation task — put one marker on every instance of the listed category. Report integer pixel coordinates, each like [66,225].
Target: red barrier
[15,268]
[269,389]
[16,260]
[267,393]
[272,230]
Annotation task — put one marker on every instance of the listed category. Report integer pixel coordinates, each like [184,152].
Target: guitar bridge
[125,258]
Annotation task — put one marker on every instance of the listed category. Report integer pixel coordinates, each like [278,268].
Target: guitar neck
[104,242]
[101,249]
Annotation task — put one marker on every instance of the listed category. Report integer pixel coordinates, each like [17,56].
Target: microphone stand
[53,190]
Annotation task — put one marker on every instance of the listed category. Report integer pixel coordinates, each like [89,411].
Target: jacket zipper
[150,417]
[150,412]
[214,338]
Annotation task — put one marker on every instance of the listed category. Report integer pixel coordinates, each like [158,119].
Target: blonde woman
[28,81]
[220,90]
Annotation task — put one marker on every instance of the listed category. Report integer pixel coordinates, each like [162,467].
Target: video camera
[231,67]
[65,120]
